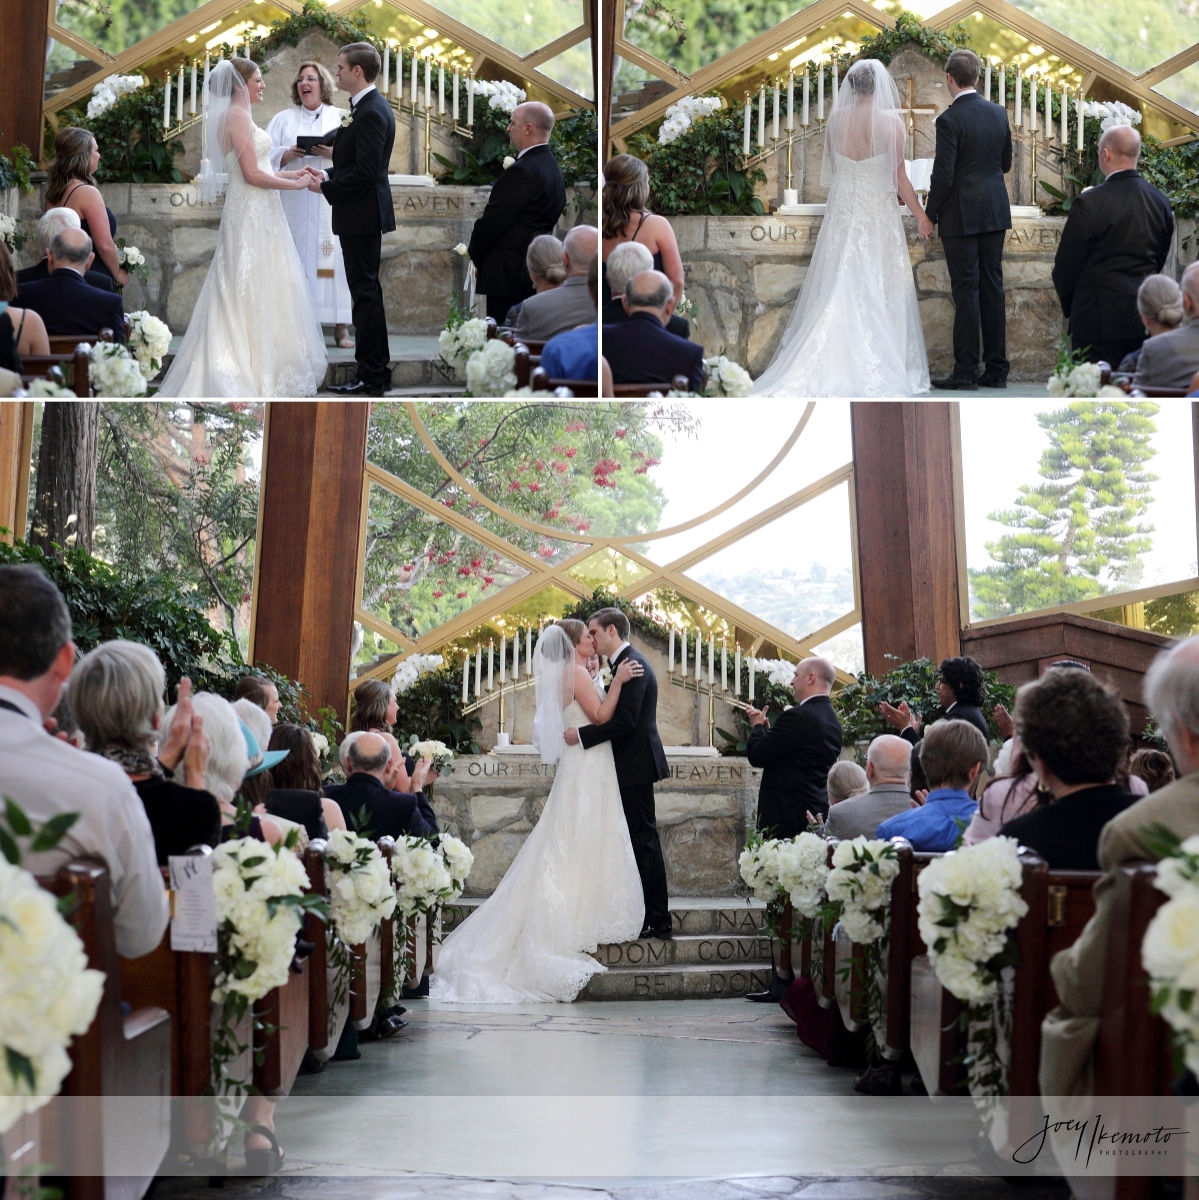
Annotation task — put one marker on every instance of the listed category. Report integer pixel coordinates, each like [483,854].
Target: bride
[254,330]
[856,326]
[574,884]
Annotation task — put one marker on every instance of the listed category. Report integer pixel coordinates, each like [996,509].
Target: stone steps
[675,983]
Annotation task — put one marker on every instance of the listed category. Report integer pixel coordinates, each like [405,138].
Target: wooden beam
[16,444]
[904,488]
[313,456]
[1180,61]
[22,61]
[557,46]
[81,45]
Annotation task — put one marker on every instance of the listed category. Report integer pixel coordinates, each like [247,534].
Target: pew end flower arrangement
[427,876]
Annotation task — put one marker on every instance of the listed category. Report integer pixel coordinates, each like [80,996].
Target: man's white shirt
[964,92]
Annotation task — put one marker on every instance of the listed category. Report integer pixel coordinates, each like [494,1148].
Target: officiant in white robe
[308,213]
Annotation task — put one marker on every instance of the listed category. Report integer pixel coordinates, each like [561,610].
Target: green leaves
[20,1068]
[15,824]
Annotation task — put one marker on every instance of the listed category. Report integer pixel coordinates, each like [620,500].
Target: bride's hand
[925,227]
[628,670]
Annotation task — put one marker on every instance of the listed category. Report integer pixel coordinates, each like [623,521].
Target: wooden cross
[912,109]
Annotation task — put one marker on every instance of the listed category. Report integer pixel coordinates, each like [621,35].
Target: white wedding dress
[573,886]
[254,331]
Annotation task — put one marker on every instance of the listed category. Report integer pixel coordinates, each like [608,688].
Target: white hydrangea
[860,879]
[107,92]
[47,389]
[500,93]
[422,878]
[458,861]
[803,870]
[760,869]
[8,232]
[438,753]
[360,890]
[459,343]
[726,378]
[114,371]
[489,371]
[1081,381]
[412,668]
[680,116]
[1110,113]
[149,339]
[47,992]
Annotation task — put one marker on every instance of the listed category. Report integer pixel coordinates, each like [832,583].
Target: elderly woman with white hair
[846,780]
[116,698]
[627,260]
[52,221]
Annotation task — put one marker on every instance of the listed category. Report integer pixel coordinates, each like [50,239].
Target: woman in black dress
[21,331]
[71,183]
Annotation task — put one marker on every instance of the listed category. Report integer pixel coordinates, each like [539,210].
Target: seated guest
[952,753]
[575,353]
[47,777]
[296,783]
[21,330]
[1011,793]
[67,303]
[888,761]
[258,780]
[845,780]
[568,306]
[606,388]
[50,222]
[1159,305]
[1154,767]
[261,691]
[368,802]
[546,270]
[625,261]
[640,350]
[116,698]
[1074,732]
[959,686]
[1171,359]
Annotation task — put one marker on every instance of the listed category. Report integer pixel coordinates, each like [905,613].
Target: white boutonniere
[460,248]
[348,119]
[508,161]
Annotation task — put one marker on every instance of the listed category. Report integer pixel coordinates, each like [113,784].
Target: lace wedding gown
[573,886]
[254,331]
[856,326]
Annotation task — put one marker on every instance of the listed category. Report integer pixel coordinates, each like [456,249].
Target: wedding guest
[71,183]
[310,216]
[1015,790]
[526,200]
[115,695]
[888,761]
[626,218]
[1159,305]
[47,777]
[960,685]
[547,271]
[541,317]
[21,330]
[845,780]
[1154,768]
[384,812]
[66,302]
[575,353]
[296,783]
[258,781]
[606,386]
[952,753]
[1074,731]
[375,707]
[52,221]
[1171,359]
[640,350]
[261,691]
[625,261]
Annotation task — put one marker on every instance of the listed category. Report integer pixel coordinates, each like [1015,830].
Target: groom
[358,190]
[640,761]
[968,201]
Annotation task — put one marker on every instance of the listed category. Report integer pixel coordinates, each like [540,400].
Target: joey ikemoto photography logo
[1093,1138]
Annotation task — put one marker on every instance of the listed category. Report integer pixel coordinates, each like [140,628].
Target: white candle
[470,100]
[179,96]
[790,101]
[490,664]
[1019,96]
[751,679]
[775,128]
[699,654]
[428,83]
[465,677]
[206,69]
[835,83]
[737,673]
[744,150]
[503,658]
[762,116]
[529,650]
[1003,84]
[987,85]
[1065,118]
[724,666]
[386,68]
[516,657]
[1079,118]
[478,670]
[440,90]
[670,654]
[166,104]
[455,97]
[415,76]
[711,660]
[807,88]
[193,99]
[1032,104]
[1048,111]
[820,90]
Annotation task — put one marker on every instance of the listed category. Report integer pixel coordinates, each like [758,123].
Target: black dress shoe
[992,381]
[955,383]
[357,388]
[662,935]
[415,993]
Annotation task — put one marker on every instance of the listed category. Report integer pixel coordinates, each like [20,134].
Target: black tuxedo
[795,755]
[41,270]
[525,202]
[640,763]
[968,202]
[388,813]
[640,350]
[1066,833]
[68,304]
[1115,235]
[358,190]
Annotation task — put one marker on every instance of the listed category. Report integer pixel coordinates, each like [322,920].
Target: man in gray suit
[1171,359]
[887,764]
[568,306]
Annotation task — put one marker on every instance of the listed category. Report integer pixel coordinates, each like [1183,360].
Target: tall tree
[64,508]
[1078,534]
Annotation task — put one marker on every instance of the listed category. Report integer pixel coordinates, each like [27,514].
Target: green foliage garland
[130,139]
[432,709]
[314,15]
[14,171]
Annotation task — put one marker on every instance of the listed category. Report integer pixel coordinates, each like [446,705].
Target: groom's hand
[571,736]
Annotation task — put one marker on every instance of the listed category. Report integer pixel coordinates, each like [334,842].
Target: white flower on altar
[679,117]
[412,668]
[460,342]
[461,248]
[500,93]
[360,890]
[726,378]
[114,371]
[8,232]
[508,161]
[107,92]
[1111,112]
[149,339]
[489,371]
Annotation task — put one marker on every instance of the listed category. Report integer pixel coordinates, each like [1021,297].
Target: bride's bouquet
[114,372]
[438,753]
[149,339]
[133,258]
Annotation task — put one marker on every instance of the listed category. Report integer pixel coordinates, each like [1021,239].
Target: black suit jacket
[1066,833]
[41,270]
[1115,235]
[68,304]
[388,813]
[956,712]
[967,195]
[299,805]
[633,730]
[796,754]
[639,350]
[357,186]
[525,202]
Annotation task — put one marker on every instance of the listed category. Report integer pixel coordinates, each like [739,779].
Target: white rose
[1170,950]
[508,161]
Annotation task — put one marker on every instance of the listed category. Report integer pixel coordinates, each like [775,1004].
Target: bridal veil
[554,680]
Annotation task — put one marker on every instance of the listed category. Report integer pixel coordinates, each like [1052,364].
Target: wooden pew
[65,343]
[323,1030]
[678,383]
[279,1047]
[540,381]
[40,366]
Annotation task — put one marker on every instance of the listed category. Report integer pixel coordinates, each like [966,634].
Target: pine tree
[1078,534]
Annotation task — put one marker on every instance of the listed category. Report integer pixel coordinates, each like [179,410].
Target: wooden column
[22,62]
[613,16]
[313,459]
[16,442]
[907,531]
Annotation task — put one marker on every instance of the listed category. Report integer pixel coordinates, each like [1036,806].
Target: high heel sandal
[264,1162]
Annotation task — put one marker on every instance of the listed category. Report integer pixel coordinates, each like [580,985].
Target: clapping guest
[386,811]
[626,218]
[640,350]
[888,761]
[66,302]
[625,261]
[571,305]
[546,270]
[1159,304]
[51,222]
[1171,359]
[575,353]
[960,684]
[116,697]
[21,330]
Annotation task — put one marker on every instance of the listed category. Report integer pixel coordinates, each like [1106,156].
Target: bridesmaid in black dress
[71,184]
[21,330]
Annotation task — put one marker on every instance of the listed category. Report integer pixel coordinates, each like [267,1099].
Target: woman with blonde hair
[294,135]
[546,268]
[1159,305]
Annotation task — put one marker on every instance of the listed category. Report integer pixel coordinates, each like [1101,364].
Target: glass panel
[608,568]
[523,25]
[845,651]
[117,26]
[990,39]
[634,87]
[572,69]
[669,607]
[1015,555]
[796,572]
[65,68]
[372,649]
[1182,88]
[1172,616]
[420,572]
[400,29]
